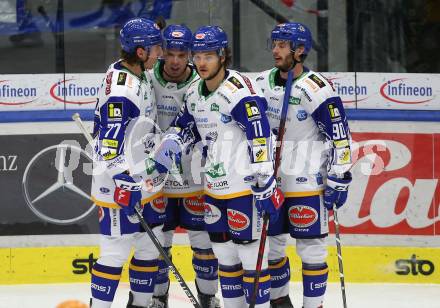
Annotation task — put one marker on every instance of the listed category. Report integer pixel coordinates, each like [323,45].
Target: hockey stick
[281,130]
[76,117]
[339,251]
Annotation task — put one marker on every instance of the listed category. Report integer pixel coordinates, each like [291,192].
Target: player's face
[175,62]
[154,53]
[282,55]
[207,63]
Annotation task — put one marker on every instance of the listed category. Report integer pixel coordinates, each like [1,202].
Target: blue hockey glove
[170,149]
[127,192]
[336,191]
[268,198]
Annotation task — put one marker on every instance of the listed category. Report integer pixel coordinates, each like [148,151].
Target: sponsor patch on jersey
[235,82]
[226,118]
[259,141]
[212,214]
[104,190]
[294,100]
[216,171]
[114,111]
[301,115]
[158,205]
[343,156]
[194,205]
[260,78]
[317,80]
[238,221]
[335,115]
[110,143]
[302,216]
[221,185]
[341,143]
[252,110]
[301,180]
[193,106]
[122,77]
[108,83]
[108,153]
[150,166]
[215,107]
[259,154]
[248,84]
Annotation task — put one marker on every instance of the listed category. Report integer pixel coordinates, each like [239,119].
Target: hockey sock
[162,278]
[142,275]
[314,284]
[205,265]
[263,294]
[231,277]
[279,277]
[105,280]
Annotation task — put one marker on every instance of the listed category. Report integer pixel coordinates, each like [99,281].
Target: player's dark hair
[130,57]
[228,57]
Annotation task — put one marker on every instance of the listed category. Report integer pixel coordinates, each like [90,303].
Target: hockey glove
[268,198]
[127,192]
[336,191]
[170,149]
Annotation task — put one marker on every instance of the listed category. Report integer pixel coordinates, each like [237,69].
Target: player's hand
[336,191]
[127,192]
[268,198]
[169,150]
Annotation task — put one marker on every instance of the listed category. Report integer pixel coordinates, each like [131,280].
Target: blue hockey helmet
[223,36]
[177,37]
[208,38]
[139,32]
[294,32]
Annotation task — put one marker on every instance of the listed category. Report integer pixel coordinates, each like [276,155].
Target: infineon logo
[346,88]
[65,90]
[406,91]
[13,96]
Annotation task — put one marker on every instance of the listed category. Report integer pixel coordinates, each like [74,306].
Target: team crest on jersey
[235,82]
[317,80]
[252,110]
[114,111]
[122,77]
[215,107]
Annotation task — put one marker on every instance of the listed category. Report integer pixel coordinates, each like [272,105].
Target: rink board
[361,264]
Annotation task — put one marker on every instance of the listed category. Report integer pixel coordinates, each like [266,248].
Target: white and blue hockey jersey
[317,138]
[181,182]
[231,123]
[123,99]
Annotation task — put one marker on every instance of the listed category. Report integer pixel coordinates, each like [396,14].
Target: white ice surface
[358,295]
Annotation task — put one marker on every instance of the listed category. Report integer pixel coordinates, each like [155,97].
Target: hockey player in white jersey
[184,197]
[226,112]
[315,161]
[126,96]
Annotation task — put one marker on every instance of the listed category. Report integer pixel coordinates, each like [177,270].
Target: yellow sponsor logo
[259,141]
[110,143]
[341,143]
